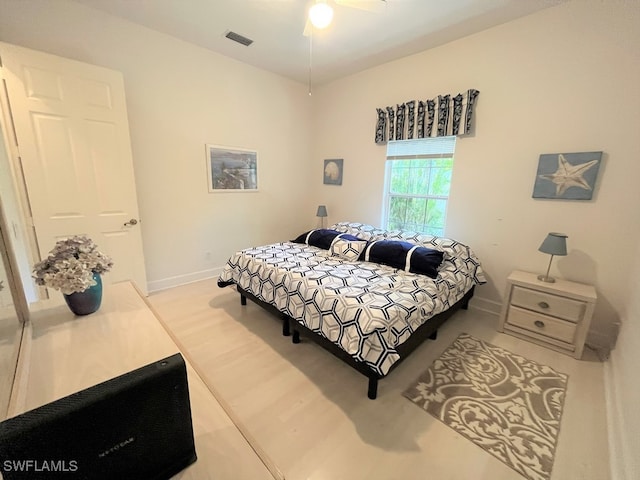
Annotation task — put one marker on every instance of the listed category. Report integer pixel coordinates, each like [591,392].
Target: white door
[72,131]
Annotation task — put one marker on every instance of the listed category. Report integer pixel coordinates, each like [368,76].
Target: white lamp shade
[320,15]
[554,244]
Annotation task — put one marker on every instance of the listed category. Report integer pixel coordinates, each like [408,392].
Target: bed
[367,295]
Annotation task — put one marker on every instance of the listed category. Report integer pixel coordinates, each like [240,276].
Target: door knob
[131,222]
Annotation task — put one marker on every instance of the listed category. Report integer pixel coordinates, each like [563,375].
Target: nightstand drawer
[541,324]
[547,303]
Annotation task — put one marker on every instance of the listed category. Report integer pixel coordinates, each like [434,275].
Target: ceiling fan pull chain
[310,57]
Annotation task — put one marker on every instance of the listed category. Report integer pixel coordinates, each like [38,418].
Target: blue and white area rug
[506,404]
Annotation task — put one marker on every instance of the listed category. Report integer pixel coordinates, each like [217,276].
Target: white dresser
[555,315]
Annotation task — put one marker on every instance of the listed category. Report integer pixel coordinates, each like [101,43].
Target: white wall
[179,98]
[622,389]
[562,80]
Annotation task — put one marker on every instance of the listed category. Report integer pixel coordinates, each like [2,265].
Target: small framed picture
[333,171]
[231,169]
[567,176]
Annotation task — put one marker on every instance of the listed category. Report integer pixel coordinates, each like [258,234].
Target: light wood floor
[310,413]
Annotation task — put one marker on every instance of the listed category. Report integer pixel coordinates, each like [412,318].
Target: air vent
[236,37]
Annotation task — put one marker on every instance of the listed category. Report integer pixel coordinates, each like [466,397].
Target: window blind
[435,147]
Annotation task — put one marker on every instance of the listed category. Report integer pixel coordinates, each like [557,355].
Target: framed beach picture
[567,176]
[231,169]
[333,171]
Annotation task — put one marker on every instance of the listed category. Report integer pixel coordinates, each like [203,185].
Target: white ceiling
[357,39]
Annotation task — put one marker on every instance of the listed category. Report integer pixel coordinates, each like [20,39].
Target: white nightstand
[555,315]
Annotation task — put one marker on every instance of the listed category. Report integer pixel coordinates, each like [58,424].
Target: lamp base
[546,278]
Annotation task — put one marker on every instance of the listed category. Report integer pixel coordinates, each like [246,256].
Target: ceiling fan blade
[368,5]
[307,28]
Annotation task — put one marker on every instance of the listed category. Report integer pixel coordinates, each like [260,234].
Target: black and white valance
[442,116]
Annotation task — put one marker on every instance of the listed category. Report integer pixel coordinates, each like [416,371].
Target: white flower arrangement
[71,264]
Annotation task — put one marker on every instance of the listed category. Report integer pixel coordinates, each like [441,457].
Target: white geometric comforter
[365,308]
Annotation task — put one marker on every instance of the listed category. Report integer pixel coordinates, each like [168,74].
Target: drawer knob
[543,304]
[539,323]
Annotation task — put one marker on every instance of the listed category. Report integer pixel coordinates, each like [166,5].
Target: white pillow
[347,249]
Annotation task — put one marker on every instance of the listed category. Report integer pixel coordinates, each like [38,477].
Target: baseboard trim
[616,426]
[485,305]
[170,282]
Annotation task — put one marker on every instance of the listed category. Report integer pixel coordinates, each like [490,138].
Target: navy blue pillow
[322,238]
[421,260]
[302,238]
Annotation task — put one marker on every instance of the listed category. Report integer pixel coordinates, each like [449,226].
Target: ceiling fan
[320,12]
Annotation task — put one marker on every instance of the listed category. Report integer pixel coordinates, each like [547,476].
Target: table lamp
[322,213]
[554,244]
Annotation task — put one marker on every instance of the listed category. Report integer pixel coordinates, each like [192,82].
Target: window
[417,184]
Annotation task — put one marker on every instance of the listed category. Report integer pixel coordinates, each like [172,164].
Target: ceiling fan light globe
[320,15]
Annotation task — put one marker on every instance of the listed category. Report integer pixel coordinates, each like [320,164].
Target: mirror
[10,332]
[14,274]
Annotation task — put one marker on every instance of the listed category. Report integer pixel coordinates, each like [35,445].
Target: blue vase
[84,303]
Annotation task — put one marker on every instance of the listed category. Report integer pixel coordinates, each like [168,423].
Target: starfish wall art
[570,176]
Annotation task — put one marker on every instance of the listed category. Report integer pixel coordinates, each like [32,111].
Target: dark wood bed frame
[428,329]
